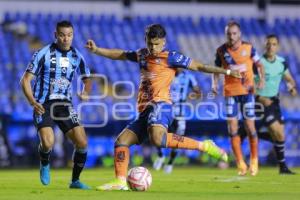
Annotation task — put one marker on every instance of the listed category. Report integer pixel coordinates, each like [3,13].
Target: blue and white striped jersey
[54,70]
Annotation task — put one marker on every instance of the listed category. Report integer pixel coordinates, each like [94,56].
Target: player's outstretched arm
[197,66]
[115,54]
[27,90]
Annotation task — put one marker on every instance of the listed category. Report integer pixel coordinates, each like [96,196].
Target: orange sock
[180,142]
[121,161]
[236,147]
[253,147]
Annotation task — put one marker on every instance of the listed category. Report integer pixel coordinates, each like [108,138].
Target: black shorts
[272,113]
[58,112]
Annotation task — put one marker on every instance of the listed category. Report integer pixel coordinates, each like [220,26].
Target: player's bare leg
[235,140]
[159,137]
[253,142]
[121,160]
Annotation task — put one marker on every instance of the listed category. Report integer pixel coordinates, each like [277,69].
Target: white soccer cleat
[159,161]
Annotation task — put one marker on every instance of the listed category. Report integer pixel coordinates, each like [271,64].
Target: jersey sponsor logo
[240,67]
[38,119]
[142,54]
[57,96]
[30,66]
[148,75]
[269,118]
[61,83]
[228,58]
[179,58]
[244,53]
[53,60]
[64,62]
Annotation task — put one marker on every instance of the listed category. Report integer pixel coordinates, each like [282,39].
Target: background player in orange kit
[158,67]
[236,54]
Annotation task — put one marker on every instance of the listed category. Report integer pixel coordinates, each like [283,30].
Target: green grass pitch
[183,184]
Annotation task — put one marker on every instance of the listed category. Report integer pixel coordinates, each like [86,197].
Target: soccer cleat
[242,168]
[45,174]
[286,171]
[78,185]
[168,169]
[253,167]
[159,161]
[214,151]
[115,184]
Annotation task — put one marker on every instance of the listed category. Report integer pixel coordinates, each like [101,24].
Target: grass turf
[183,184]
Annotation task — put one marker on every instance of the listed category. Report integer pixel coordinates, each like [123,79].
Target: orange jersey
[157,74]
[241,59]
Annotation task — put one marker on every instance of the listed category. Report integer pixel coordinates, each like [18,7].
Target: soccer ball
[139,179]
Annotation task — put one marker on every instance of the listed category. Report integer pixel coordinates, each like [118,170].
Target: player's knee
[47,145]
[279,136]
[82,144]
[122,141]
[233,134]
[232,130]
[155,141]
[250,125]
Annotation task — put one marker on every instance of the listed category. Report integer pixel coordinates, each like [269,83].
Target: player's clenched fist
[91,46]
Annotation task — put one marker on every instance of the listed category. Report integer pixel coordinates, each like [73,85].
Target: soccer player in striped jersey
[183,84]
[276,69]
[158,67]
[239,93]
[53,69]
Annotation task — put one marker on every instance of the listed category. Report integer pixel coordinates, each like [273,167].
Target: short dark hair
[273,36]
[233,23]
[155,31]
[64,23]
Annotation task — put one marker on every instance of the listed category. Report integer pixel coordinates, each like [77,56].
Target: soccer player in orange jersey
[158,67]
[236,54]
